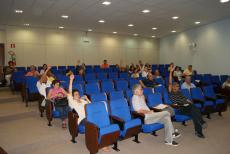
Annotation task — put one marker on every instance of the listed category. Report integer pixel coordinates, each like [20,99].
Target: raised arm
[71,78]
[170,78]
[44,75]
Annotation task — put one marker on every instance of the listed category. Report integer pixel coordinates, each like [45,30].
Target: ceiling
[84,14]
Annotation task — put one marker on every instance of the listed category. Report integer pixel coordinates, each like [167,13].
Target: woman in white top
[76,102]
[139,105]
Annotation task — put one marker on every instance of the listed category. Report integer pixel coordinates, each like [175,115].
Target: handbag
[61,101]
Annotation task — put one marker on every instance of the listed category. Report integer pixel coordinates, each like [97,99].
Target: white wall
[212,54]
[64,47]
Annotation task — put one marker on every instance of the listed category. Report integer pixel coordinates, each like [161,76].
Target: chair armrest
[210,98]
[118,121]
[91,136]
[198,100]
[141,116]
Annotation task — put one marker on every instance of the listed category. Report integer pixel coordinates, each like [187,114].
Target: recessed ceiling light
[65,16]
[114,32]
[60,27]
[106,3]
[18,11]
[173,31]
[224,1]
[145,11]
[135,34]
[197,22]
[90,30]
[153,36]
[26,24]
[101,21]
[175,17]
[130,25]
[154,28]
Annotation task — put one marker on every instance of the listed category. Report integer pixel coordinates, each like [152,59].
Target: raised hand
[71,77]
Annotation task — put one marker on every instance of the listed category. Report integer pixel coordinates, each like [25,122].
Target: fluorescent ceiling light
[197,22]
[65,16]
[26,24]
[175,17]
[18,11]
[60,27]
[106,3]
[153,36]
[173,31]
[130,25]
[101,21]
[224,1]
[90,30]
[145,11]
[135,34]
[154,28]
[114,32]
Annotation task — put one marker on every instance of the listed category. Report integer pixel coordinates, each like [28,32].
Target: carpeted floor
[23,131]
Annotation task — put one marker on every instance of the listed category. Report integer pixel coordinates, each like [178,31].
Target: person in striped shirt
[186,106]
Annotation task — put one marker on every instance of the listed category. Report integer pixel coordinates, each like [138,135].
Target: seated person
[139,105]
[226,84]
[44,68]
[226,89]
[149,82]
[177,74]
[185,106]
[136,73]
[58,93]
[144,71]
[188,71]
[157,74]
[68,72]
[44,83]
[76,102]
[187,83]
[105,64]
[32,72]
[8,71]
[81,72]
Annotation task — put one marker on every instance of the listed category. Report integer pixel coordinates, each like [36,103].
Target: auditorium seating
[120,115]
[100,132]
[198,97]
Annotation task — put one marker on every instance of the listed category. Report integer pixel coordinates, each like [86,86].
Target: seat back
[90,76]
[102,76]
[116,95]
[119,108]
[209,92]
[196,93]
[121,85]
[147,91]
[92,88]
[132,82]
[186,93]
[113,75]
[166,98]
[129,94]
[159,81]
[107,86]
[31,83]
[99,97]
[159,89]
[154,99]
[123,75]
[97,114]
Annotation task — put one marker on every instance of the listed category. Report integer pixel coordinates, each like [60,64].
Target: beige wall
[64,47]
[212,53]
